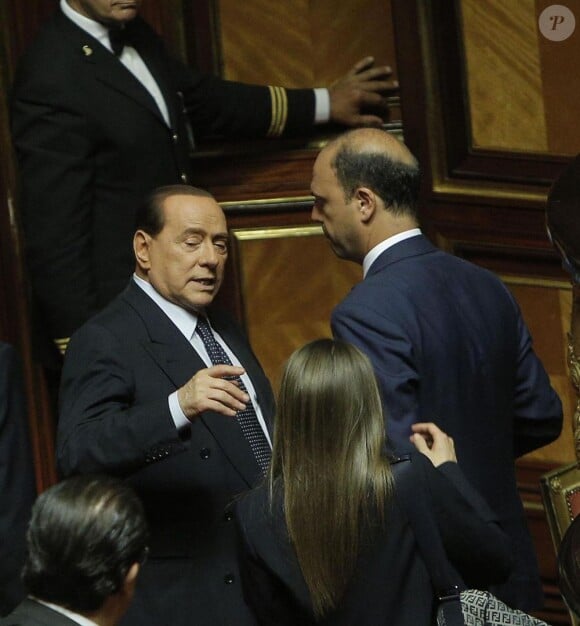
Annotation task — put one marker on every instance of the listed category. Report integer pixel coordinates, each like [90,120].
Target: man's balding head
[373,158]
[365,186]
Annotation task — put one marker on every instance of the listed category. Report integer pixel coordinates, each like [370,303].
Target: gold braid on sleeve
[279,111]
[574,366]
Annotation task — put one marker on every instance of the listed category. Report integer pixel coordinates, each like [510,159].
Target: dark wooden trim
[14,303]
[201,23]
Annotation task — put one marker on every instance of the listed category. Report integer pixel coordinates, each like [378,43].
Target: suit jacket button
[205,453]
[184,178]
[229,516]
[229,579]
[175,137]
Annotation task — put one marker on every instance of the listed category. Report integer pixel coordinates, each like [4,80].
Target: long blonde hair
[328,456]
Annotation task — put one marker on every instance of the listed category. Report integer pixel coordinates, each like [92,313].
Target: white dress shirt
[186,323]
[373,254]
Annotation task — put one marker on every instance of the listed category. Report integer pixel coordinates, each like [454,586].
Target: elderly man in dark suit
[87,540]
[446,337]
[97,126]
[164,390]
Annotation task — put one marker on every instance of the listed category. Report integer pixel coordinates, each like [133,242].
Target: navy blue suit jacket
[448,345]
[119,370]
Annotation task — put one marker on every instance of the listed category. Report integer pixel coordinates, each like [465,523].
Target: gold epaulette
[279,101]
[62,344]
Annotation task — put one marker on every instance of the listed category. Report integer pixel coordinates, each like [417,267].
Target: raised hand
[431,441]
[359,97]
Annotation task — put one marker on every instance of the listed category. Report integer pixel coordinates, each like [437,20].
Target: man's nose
[209,255]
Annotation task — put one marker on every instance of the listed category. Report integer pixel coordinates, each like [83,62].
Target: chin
[199,303]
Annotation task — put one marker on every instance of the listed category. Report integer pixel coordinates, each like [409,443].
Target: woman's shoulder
[256,507]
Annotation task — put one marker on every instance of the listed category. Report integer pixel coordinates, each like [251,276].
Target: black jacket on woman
[391,584]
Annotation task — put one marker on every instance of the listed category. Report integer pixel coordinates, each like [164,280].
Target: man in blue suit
[446,337]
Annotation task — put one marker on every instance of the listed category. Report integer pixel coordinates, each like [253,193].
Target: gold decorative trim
[279,115]
[62,344]
[551,283]
[533,506]
[481,191]
[253,234]
[249,204]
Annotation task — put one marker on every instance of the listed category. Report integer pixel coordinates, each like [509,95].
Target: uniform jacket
[91,144]
[391,584]
[119,371]
[448,345]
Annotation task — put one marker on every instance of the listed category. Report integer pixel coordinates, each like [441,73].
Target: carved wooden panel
[299,43]
[503,59]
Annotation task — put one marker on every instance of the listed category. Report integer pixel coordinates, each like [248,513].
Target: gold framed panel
[290,280]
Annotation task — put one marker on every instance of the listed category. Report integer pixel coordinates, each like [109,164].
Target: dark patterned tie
[247,418]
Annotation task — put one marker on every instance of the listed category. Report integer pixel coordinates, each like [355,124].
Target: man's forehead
[322,170]
[188,211]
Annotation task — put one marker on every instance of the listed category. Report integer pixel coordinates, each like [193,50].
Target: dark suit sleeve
[537,408]
[56,156]
[218,107]
[473,539]
[391,354]
[17,485]
[102,426]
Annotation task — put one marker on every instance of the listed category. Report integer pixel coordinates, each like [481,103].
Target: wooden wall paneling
[561,89]
[14,310]
[21,21]
[299,43]
[502,58]
[290,280]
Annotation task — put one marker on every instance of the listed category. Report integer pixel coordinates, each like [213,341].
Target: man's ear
[366,203]
[141,245]
[128,587]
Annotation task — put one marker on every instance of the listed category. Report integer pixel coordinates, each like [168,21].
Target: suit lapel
[179,360]
[108,70]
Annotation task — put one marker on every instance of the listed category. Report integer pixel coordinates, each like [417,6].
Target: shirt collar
[75,617]
[185,321]
[95,29]
[373,254]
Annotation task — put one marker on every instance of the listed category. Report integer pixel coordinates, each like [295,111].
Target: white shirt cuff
[181,422]
[321,105]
